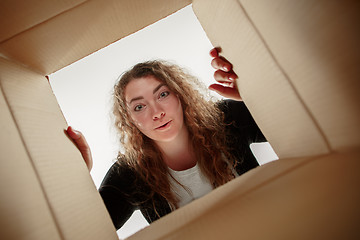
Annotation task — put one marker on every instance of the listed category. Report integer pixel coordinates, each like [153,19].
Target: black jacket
[122,191]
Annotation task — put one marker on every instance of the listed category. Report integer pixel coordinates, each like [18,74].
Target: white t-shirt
[193,180]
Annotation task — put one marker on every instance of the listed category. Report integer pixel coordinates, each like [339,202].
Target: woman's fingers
[226,91]
[221,76]
[81,143]
[78,138]
[221,63]
[224,75]
[223,66]
[215,52]
[218,61]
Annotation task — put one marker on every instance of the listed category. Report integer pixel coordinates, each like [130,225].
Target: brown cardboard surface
[25,213]
[317,45]
[265,87]
[241,186]
[303,198]
[50,46]
[17,16]
[284,81]
[71,195]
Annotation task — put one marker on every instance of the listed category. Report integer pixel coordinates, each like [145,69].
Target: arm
[241,128]
[241,131]
[236,112]
[117,191]
[238,117]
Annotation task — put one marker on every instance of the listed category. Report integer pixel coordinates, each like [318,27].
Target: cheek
[174,104]
[139,121]
[138,124]
[179,107]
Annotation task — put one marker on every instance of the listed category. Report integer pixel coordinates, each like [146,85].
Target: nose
[158,112]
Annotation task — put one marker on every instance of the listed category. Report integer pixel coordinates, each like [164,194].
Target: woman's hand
[224,75]
[82,145]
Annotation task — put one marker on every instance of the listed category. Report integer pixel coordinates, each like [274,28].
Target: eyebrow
[154,91]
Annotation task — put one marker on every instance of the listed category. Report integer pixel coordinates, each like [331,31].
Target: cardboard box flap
[302,198]
[17,16]
[317,45]
[298,68]
[82,30]
[25,213]
[265,87]
[61,172]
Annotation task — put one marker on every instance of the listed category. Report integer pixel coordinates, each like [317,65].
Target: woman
[178,146]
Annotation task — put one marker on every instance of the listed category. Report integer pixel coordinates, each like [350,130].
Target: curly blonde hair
[204,120]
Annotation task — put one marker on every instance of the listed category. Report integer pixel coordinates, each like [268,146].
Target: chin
[168,137]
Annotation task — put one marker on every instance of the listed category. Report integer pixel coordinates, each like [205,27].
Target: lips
[164,125]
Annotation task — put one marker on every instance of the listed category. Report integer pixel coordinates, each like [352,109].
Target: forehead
[141,86]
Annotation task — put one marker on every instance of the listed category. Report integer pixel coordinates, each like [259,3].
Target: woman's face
[154,109]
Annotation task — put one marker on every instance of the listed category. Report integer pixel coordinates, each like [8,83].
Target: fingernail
[231,79]
[226,68]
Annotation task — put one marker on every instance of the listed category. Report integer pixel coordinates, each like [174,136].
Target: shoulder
[229,105]
[239,122]
[235,112]
[118,191]
[120,175]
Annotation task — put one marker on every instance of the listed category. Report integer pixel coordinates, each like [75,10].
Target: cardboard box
[297,63]
[51,194]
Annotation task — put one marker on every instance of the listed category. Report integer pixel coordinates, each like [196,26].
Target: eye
[138,107]
[164,94]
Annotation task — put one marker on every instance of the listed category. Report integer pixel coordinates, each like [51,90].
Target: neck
[178,154]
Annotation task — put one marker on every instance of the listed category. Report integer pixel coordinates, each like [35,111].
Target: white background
[84,89]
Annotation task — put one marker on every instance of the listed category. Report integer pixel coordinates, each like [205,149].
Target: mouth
[164,125]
